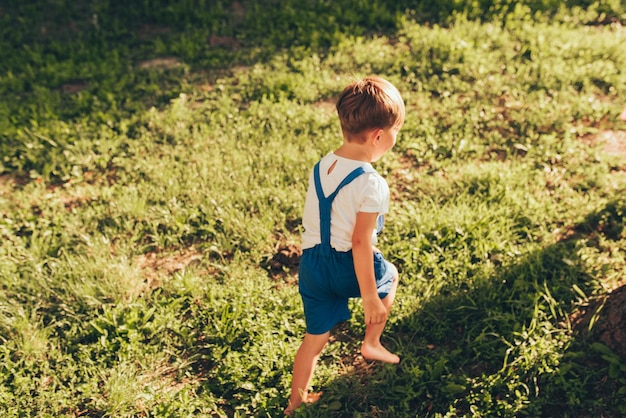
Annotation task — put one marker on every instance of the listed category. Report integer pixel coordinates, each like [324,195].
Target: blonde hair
[369,103]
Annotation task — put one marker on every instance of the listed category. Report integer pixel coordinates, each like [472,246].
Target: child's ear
[377,133]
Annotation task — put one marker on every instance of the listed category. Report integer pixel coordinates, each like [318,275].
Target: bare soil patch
[283,264]
[6,184]
[613,142]
[154,264]
[74,87]
[604,320]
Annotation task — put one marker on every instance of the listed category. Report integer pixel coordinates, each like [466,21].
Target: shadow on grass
[503,345]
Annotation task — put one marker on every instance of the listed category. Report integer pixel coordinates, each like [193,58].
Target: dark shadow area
[537,333]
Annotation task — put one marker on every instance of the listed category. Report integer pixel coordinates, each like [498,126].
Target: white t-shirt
[369,192]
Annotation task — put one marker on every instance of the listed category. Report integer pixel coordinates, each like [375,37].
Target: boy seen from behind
[343,212]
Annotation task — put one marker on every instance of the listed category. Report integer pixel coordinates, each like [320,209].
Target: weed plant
[153,165]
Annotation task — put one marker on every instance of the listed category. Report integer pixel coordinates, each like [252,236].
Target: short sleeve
[375,195]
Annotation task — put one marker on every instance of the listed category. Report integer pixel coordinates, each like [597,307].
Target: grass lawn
[154,159]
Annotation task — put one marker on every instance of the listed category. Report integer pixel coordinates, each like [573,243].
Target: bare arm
[363,256]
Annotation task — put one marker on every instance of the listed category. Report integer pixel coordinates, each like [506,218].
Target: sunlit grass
[150,220]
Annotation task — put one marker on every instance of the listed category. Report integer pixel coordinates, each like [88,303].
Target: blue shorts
[327,280]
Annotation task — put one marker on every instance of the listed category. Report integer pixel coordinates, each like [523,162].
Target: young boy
[343,213]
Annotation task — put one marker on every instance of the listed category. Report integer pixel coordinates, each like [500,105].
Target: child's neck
[354,151]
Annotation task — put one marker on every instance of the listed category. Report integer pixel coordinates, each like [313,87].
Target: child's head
[369,103]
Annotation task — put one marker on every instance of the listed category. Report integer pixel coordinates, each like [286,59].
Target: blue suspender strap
[324,213]
[325,203]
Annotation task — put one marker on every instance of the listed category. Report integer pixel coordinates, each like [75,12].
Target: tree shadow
[518,340]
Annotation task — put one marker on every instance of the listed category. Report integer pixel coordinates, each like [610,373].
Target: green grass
[150,210]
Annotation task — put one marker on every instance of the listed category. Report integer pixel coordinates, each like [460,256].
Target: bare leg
[372,349]
[303,366]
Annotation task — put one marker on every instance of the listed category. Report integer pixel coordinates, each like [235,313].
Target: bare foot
[310,397]
[380,353]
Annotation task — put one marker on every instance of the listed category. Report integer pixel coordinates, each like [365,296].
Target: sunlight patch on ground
[164,63]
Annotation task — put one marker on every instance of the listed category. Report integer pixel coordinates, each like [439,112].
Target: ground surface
[604,319]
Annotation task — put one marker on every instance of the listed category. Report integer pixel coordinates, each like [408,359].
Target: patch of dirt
[227,42]
[6,184]
[154,264]
[74,87]
[238,12]
[284,262]
[9,181]
[613,142]
[150,31]
[604,320]
[71,203]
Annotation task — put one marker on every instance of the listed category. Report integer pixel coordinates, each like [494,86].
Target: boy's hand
[363,255]
[374,310]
